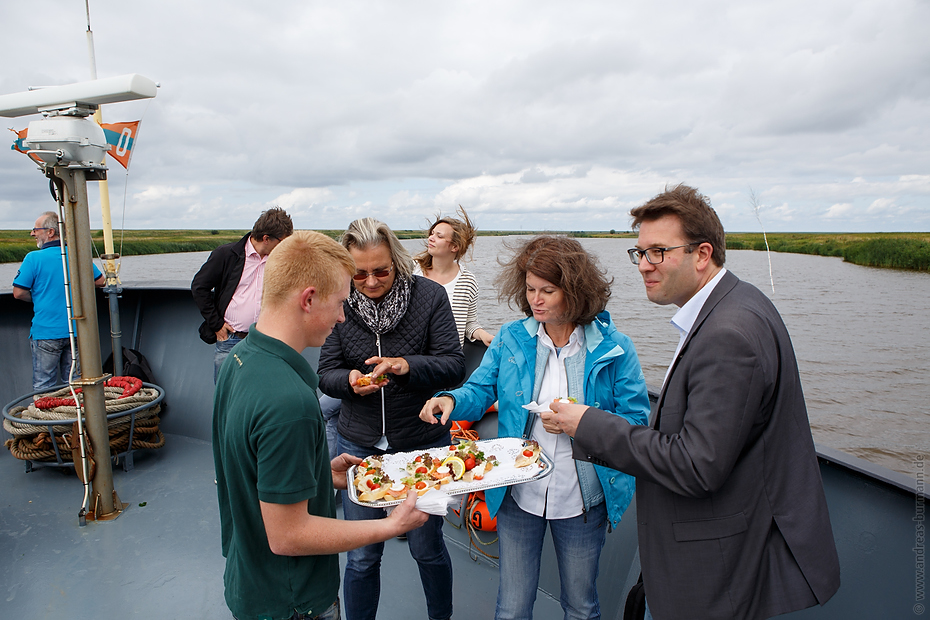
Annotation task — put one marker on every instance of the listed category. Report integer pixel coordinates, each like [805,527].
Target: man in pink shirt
[228,287]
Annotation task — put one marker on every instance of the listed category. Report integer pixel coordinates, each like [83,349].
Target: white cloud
[534,114]
[839,211]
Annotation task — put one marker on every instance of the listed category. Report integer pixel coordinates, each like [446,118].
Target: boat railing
[125,456]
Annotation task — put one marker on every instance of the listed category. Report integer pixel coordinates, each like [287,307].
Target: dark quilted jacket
[427,338]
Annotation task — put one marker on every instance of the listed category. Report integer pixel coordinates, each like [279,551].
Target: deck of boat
[161,558]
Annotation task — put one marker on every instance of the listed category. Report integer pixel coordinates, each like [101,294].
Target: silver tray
[505,449]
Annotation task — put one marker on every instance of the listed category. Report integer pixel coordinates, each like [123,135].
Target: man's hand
[407,516]
[563,418]
[224,332]
[438,405]
[340,465]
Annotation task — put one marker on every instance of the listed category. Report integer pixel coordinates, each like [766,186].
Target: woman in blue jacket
[567,347]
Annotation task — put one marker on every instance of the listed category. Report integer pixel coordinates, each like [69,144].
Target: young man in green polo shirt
[275,481]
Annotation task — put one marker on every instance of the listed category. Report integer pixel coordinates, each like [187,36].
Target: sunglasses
[381,273]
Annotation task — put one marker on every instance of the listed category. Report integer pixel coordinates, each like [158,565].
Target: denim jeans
[332,613]
[362,584]
[223,347]
[330,407]
[578,542]
[49,359]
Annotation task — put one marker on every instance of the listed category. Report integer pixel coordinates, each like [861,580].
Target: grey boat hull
[161,558]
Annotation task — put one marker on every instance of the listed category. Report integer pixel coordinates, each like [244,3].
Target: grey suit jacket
[732,517]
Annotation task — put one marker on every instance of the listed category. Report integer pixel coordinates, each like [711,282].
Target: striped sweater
[464,300]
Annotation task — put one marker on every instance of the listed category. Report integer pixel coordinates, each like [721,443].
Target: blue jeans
[578,542]
[223,347]
[330,614]
[362,584]
[330,407]
[49,359]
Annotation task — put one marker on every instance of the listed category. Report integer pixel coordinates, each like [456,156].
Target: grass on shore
[892,250]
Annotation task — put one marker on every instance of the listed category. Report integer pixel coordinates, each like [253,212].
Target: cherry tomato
[372,485]
[418,459]
[469,463]
[421,470]
[527,453]
[453,448]
[420,485]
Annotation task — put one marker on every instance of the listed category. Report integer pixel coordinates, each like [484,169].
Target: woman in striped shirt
[447,242]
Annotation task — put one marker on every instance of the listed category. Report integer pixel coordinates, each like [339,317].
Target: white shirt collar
[686,316]
[573,345]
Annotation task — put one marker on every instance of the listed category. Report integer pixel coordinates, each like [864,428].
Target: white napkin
[536,407]
[434,502]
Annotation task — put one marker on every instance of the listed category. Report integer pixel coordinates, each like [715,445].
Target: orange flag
[120,136]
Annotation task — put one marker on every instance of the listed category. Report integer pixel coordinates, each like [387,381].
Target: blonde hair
[306,258]
[463,235]
[366,233]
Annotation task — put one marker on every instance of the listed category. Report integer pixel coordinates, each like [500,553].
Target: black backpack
[635,608]
[134,365]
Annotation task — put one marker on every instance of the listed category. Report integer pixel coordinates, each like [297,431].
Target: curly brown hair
[563,262]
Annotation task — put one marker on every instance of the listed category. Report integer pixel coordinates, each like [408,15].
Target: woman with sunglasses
[400,326]
[447,241]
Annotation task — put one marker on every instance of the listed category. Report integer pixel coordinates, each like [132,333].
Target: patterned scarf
[384,316]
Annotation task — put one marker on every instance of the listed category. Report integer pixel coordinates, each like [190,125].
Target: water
[860,334]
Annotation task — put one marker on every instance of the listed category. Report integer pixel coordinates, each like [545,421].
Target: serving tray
[505,449]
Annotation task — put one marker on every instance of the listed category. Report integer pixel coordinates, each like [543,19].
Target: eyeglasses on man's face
[381,273]
[655,256]
[41,228]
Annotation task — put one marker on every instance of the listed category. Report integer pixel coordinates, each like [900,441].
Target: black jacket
[427,338]
[214,285]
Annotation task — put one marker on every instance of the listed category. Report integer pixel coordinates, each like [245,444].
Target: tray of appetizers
[464,467]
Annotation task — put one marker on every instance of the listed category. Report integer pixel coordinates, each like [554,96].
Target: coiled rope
[33,442]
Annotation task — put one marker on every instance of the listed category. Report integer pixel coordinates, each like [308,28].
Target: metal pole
[113,288]
[80,262]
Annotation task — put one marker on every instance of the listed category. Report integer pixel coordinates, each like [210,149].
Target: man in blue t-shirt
[41,280]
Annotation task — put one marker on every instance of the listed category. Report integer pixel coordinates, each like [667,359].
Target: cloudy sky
[530,114]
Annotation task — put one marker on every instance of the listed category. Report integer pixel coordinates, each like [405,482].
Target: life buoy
[478,514]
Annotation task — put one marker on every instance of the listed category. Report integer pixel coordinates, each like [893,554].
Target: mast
[113,287]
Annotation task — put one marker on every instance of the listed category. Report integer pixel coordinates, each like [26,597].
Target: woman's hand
[437,405]
[388,366]
[484,336]
[364,390]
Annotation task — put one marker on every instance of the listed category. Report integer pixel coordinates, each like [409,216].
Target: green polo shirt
[269,444]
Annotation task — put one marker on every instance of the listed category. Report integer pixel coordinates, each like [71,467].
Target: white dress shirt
[558,496]
[686,316]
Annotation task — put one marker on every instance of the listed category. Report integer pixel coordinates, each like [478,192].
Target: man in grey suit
[733,521]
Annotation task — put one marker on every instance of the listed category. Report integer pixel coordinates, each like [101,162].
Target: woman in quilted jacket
[401,327]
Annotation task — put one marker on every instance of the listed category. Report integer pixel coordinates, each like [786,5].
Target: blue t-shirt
[41,274]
